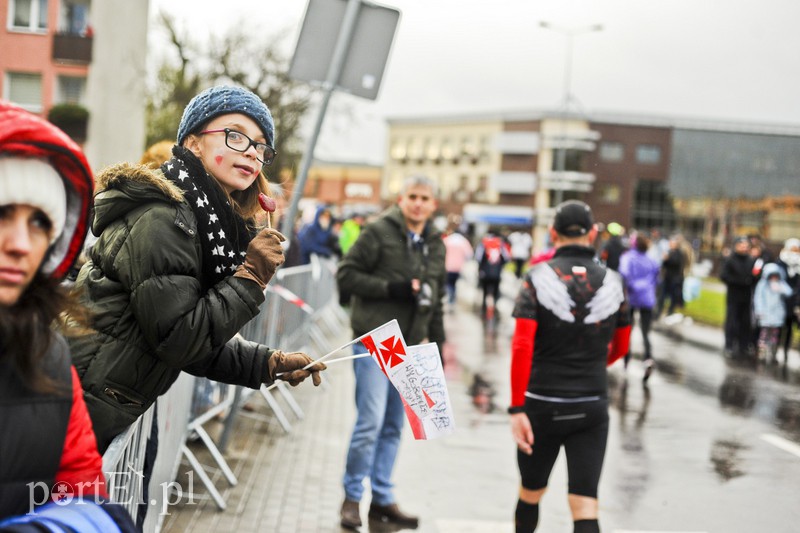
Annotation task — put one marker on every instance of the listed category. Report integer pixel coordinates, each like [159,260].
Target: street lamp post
[570,34]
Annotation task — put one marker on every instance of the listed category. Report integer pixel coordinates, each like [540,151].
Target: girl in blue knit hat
[180,266]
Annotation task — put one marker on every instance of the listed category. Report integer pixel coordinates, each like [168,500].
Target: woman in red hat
[47,448]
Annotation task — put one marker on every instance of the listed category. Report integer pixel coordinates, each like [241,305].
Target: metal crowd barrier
[123,463]
[301,312]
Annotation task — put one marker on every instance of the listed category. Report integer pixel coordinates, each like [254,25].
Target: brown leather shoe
[393,515]
[351,519]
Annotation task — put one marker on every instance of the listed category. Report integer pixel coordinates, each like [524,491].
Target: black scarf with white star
[224,235]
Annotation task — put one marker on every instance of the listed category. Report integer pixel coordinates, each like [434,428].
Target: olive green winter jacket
[151,316]
[384,254]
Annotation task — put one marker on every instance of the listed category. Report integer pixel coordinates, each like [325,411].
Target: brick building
[643,172]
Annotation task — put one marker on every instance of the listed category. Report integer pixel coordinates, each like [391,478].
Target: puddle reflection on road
[725,456]
[766,392]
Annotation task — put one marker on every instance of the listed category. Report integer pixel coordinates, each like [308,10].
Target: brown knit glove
[264,256]
[290,367]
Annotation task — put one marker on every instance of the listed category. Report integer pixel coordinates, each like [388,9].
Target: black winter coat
[152,316]
[737,274]
[383,254]
[33,427]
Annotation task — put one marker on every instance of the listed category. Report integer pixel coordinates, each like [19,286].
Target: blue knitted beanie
[223,100]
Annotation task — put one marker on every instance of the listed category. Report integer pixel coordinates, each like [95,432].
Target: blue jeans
[376,436]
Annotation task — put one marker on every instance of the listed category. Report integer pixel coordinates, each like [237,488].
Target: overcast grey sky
[722,59]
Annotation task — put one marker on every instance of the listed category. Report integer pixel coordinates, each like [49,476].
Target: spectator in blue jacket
[769,304]
[316,237]
[640,273]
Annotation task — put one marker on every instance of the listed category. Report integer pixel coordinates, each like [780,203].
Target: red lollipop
[267,204]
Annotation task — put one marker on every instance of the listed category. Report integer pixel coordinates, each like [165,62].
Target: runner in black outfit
[568,312]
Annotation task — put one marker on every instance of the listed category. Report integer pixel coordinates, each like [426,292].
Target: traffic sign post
[350,56]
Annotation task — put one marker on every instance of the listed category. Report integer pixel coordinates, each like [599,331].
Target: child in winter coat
[770,308]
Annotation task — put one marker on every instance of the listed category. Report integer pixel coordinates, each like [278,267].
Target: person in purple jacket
[640,273]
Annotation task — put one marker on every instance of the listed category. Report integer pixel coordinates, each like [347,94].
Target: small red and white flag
[388,349]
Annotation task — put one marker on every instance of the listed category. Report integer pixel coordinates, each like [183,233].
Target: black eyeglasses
[236,140]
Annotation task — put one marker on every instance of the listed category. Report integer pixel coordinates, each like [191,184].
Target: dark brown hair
[246,202]
[26,332]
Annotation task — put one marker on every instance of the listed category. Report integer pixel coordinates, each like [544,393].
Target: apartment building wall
[685,175]
[30,51]
[111,75]
[116,85]
[625,162]
[458,155]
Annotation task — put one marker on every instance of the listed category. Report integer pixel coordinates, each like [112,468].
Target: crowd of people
[762,301]
[178,260]
[762,309]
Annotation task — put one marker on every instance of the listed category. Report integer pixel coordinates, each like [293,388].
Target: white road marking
[473,526]
[782,443]
[485,526]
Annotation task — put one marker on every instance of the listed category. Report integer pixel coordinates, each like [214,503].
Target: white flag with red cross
[388,349]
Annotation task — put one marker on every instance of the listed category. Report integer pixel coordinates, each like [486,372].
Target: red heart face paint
[218,159]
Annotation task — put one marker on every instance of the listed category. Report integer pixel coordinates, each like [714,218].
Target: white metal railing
[280,323]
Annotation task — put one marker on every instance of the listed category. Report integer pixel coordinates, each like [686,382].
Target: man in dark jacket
[395,270]
[738,275]
[614,247]
[672,268]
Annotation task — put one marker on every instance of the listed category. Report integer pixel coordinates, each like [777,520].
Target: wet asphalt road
[709,446]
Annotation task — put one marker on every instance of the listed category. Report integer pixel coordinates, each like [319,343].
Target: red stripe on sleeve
[620,344]
[521,358]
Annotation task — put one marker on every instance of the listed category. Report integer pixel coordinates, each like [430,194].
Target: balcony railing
[72,48]
[568,181]
[513,182]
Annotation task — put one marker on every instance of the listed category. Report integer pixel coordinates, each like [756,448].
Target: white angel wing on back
[606,300]
[552,293]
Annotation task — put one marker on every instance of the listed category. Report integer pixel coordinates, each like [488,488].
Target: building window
[75,17]
[28,15]
[71,90]
[415,150]
[25,90]
[485,148]
[469,149]
[432,150]
[555,198]
[482,194]
[399,150]
[611,151]
[448,151]
[652,206]
[610,194]
[572,160]
[462,193]
[649,154]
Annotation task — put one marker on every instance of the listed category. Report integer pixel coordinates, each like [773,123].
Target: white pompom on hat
[34,182]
